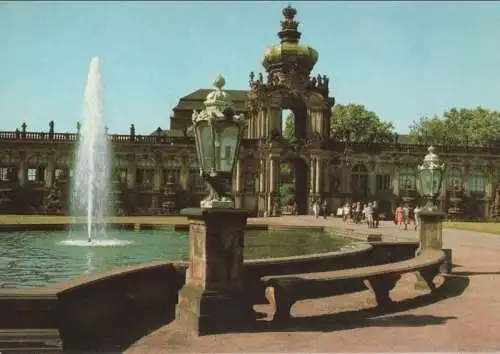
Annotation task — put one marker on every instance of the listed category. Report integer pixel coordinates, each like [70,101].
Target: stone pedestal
[430,237]
[212,300]
[431,230]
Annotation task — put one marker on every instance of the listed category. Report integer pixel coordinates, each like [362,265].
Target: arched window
[196,181]
[477,181]
[454,179]
[407,179]
[171,171]
[36,169]
[145,171]
[359,179]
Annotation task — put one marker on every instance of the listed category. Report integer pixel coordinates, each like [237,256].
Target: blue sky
[400,59]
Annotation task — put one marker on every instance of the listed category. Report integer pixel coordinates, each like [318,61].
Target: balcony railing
[55,138]
[175,137]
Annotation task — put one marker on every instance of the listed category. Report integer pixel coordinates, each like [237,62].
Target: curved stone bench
[283,291]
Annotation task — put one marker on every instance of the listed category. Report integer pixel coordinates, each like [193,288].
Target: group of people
[403,215]
[358,212]
[319,209]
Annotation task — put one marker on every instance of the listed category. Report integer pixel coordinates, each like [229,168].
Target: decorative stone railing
[174,137]
[34,137]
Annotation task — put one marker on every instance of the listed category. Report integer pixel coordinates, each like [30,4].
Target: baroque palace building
[159,174]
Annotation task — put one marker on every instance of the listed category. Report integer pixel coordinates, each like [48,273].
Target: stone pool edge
[77,314]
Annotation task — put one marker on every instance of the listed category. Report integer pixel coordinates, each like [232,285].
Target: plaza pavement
[466,319]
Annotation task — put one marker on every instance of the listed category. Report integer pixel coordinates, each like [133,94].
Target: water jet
[93,162]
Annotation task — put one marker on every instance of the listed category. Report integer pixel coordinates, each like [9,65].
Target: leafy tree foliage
[463,126]
[356,124]
[289,129]
[287,194]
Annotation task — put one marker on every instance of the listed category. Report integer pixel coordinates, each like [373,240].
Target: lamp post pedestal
[431,238]
[212,299]
[430,234]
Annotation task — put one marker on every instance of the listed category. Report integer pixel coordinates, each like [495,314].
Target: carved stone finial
[219,82]
[218,100]
[289,32]
[289,12]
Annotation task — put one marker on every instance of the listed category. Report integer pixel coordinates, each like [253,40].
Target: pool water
[33,259]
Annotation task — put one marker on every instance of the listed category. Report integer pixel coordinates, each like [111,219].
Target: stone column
[157,184]
[262,186]
[273,184]
[272,175]
[22,172]
[212,299]
[317,175]
[312,181]
[131,175]
[346,179]
[372,182]
[395,181]
[326,178]
[238,198]
[49,174]
[267,120]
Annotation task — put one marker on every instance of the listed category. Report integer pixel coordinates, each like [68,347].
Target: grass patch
[42,219]
[485,227]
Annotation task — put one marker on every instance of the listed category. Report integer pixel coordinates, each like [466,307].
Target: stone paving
[467,319]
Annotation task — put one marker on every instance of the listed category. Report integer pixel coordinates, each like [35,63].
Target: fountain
[92,165]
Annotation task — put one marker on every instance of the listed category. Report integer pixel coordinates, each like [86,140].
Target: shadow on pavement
[454,286]
[130,331]
[468,274]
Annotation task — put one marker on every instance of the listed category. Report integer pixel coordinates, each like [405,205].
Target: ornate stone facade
[32,164]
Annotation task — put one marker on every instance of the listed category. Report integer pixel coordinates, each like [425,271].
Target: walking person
[406,212]
[368,211]
[358,212]
[316,209]
[324,208]
[347,212]
[400,216]
[416,214]
[376,217]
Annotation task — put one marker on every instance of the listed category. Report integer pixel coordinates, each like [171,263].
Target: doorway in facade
[293,184]
[295,170]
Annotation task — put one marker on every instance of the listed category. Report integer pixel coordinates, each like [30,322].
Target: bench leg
[280,301]
[381,287]
[425,278]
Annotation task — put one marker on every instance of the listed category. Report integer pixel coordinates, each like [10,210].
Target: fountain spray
[92,165]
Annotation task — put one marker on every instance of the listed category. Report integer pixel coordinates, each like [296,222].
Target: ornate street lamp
[430,234]
[431,173]
[218,132]
[213,297]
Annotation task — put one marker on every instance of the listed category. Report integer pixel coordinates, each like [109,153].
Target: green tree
[478,126]
[354,123]
[427,131]
[289,130]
